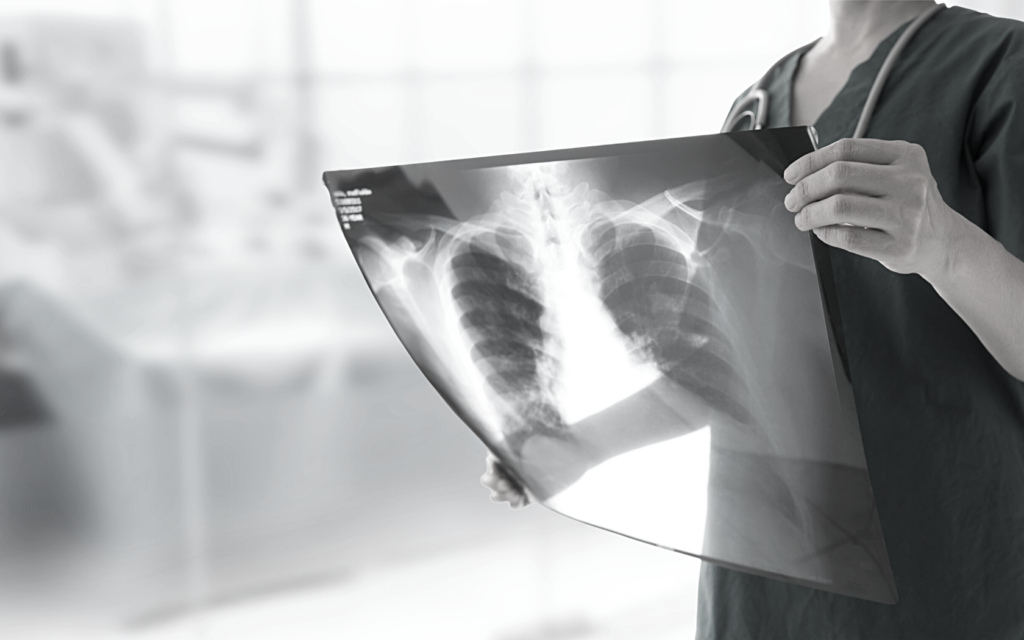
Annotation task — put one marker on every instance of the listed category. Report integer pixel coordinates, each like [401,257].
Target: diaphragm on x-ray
[643,337]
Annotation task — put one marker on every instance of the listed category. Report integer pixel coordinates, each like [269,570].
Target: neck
[857,24]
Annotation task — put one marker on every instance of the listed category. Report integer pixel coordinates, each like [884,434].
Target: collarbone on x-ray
[568,301]
[640,335]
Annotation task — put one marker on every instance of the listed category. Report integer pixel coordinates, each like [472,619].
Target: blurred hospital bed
[185,424]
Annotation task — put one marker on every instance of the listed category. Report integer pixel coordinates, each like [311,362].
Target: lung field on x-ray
[504,267]
[661,307]
[502,312]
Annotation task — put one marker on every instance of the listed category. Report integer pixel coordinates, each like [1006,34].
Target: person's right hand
[503,487]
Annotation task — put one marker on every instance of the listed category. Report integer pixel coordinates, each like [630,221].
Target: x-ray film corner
[643,337]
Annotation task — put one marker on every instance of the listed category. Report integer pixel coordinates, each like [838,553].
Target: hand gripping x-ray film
[643,337]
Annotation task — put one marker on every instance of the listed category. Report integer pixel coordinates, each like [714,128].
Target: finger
[492,480]
[513,491]
[839,177]
[501,497]
[514,498]
[864,150]
[509,485]
[502,475]
[496,482]
[869,243]
[488,479]
[494,470]
[518,498]
[503,487]
[849,209]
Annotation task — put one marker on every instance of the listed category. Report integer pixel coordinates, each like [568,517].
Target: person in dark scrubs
[925,219]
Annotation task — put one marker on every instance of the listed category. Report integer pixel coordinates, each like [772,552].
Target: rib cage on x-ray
[646,271]
[660,305]
[638,333]
[502,312]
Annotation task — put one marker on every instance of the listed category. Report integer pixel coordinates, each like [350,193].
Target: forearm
[984,284]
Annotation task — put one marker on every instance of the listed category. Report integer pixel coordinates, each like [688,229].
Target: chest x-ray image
[643,337]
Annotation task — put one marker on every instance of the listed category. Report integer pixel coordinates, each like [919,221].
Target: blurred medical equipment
[196,355]
[751,110]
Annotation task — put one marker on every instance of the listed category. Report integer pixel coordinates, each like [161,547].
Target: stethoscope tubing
[887,67]
[758,95]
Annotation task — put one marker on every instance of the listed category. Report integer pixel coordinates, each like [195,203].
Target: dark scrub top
[942,422]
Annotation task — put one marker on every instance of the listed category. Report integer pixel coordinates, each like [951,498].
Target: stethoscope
[753,106]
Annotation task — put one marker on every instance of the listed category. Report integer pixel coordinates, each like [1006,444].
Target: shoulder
[969,22]
[973,57]
[983,65]
[989,40]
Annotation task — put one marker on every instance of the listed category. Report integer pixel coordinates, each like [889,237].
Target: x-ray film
[644,339]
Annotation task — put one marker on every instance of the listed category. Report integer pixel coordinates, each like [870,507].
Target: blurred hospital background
[207,429]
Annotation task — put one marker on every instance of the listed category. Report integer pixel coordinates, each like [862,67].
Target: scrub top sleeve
[996,145]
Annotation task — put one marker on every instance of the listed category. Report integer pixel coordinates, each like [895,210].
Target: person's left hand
[878,199]
[503,487]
